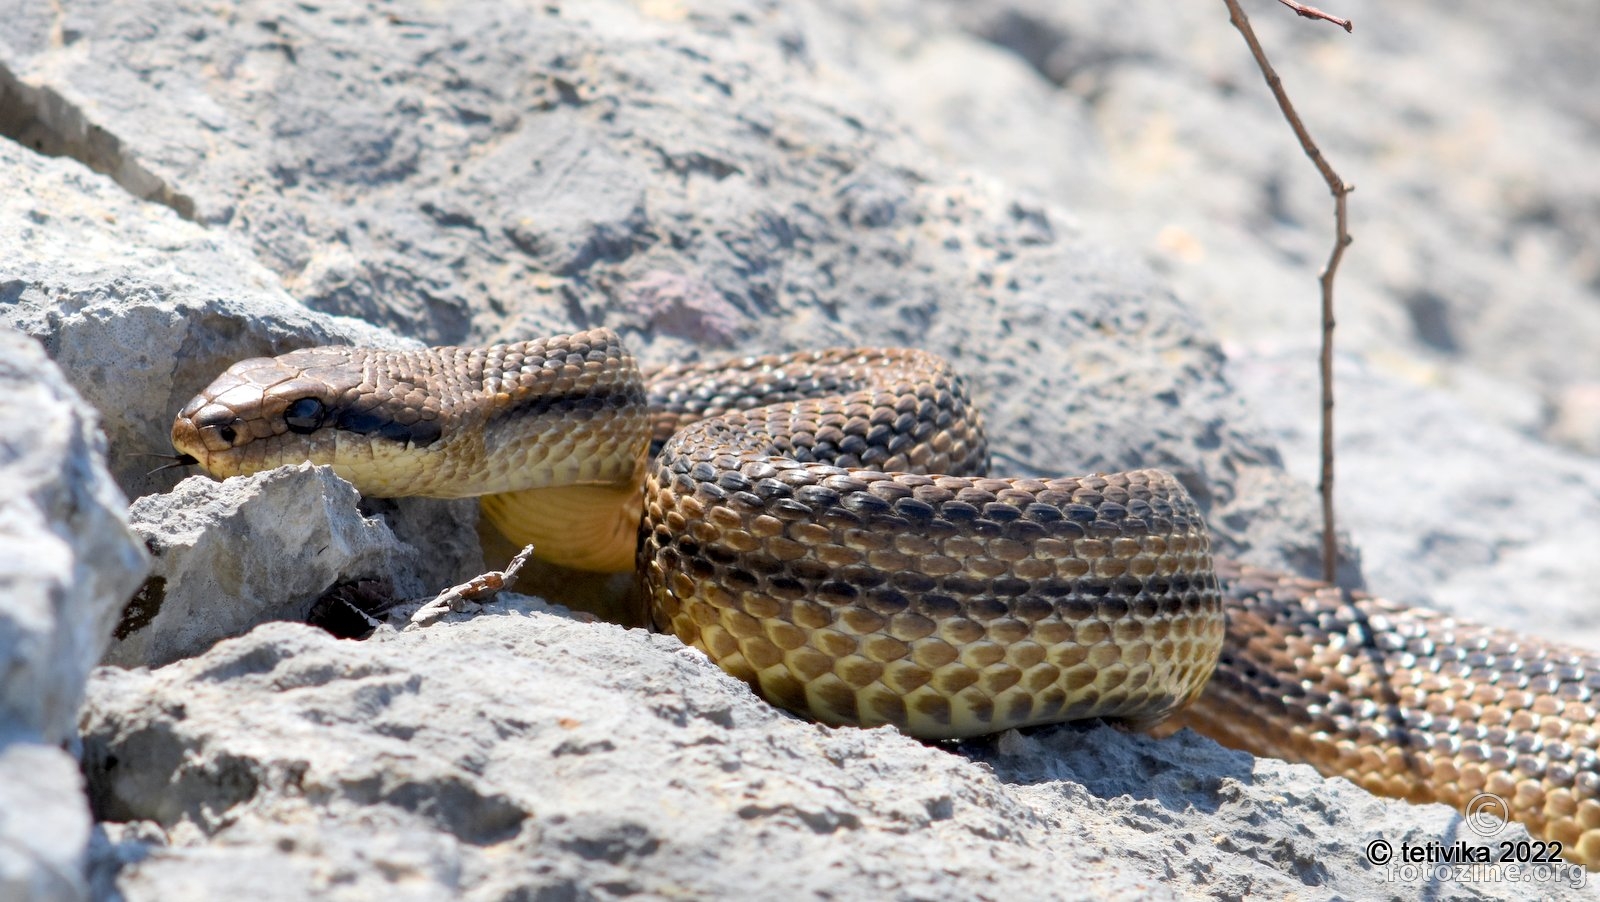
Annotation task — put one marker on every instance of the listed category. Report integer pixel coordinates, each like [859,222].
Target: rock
[680,184]
[44,823]
[1468,306]
[1473,218]
[1480,520]
[232,555]
[67,564]
[70,560]
[141,309]
[138,308]
[1576,420]
[521,754]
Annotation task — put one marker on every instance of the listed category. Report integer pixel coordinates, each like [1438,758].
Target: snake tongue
[175,462]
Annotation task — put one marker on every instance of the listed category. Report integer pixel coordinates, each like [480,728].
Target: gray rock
[139,308]
[231,555]
[44,823]
[1459,512]
[523,755]
[1468,306]
[67,558]
[1474,216]
[67,564]
[694,186]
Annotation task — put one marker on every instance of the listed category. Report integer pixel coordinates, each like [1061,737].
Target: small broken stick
[474,591]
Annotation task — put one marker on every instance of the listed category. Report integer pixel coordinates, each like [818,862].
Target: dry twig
[1340,190]
[1311,12]
[475,591]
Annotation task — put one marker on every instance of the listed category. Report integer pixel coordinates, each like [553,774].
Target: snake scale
[822,526]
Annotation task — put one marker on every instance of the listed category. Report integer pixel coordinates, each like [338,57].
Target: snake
[822,525]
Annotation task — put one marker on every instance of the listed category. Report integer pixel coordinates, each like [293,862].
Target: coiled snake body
[821,525]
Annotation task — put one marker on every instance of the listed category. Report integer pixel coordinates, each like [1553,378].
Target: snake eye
[305,415]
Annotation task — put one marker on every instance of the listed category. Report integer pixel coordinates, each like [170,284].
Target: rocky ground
[1092,209]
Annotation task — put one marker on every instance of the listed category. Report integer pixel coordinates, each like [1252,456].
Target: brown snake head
[441,422]
[268,411]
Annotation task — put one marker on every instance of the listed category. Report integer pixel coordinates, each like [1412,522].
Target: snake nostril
[217,417]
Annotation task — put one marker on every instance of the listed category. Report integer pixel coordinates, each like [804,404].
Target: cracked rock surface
[308,537]
[603,762]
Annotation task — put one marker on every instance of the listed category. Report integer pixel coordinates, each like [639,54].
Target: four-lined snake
[822,526]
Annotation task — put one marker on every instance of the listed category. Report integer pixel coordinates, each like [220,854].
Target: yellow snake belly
[820,524]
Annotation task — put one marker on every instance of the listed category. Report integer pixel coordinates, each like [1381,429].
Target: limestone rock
[1468,306]
[703,186]
[230,555]
[44,824]
[138,308]
[67,563]
[521,754]
[69,558]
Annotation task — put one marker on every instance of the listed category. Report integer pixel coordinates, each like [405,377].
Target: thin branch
[1340,190]
[1311,12]
[475,591]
